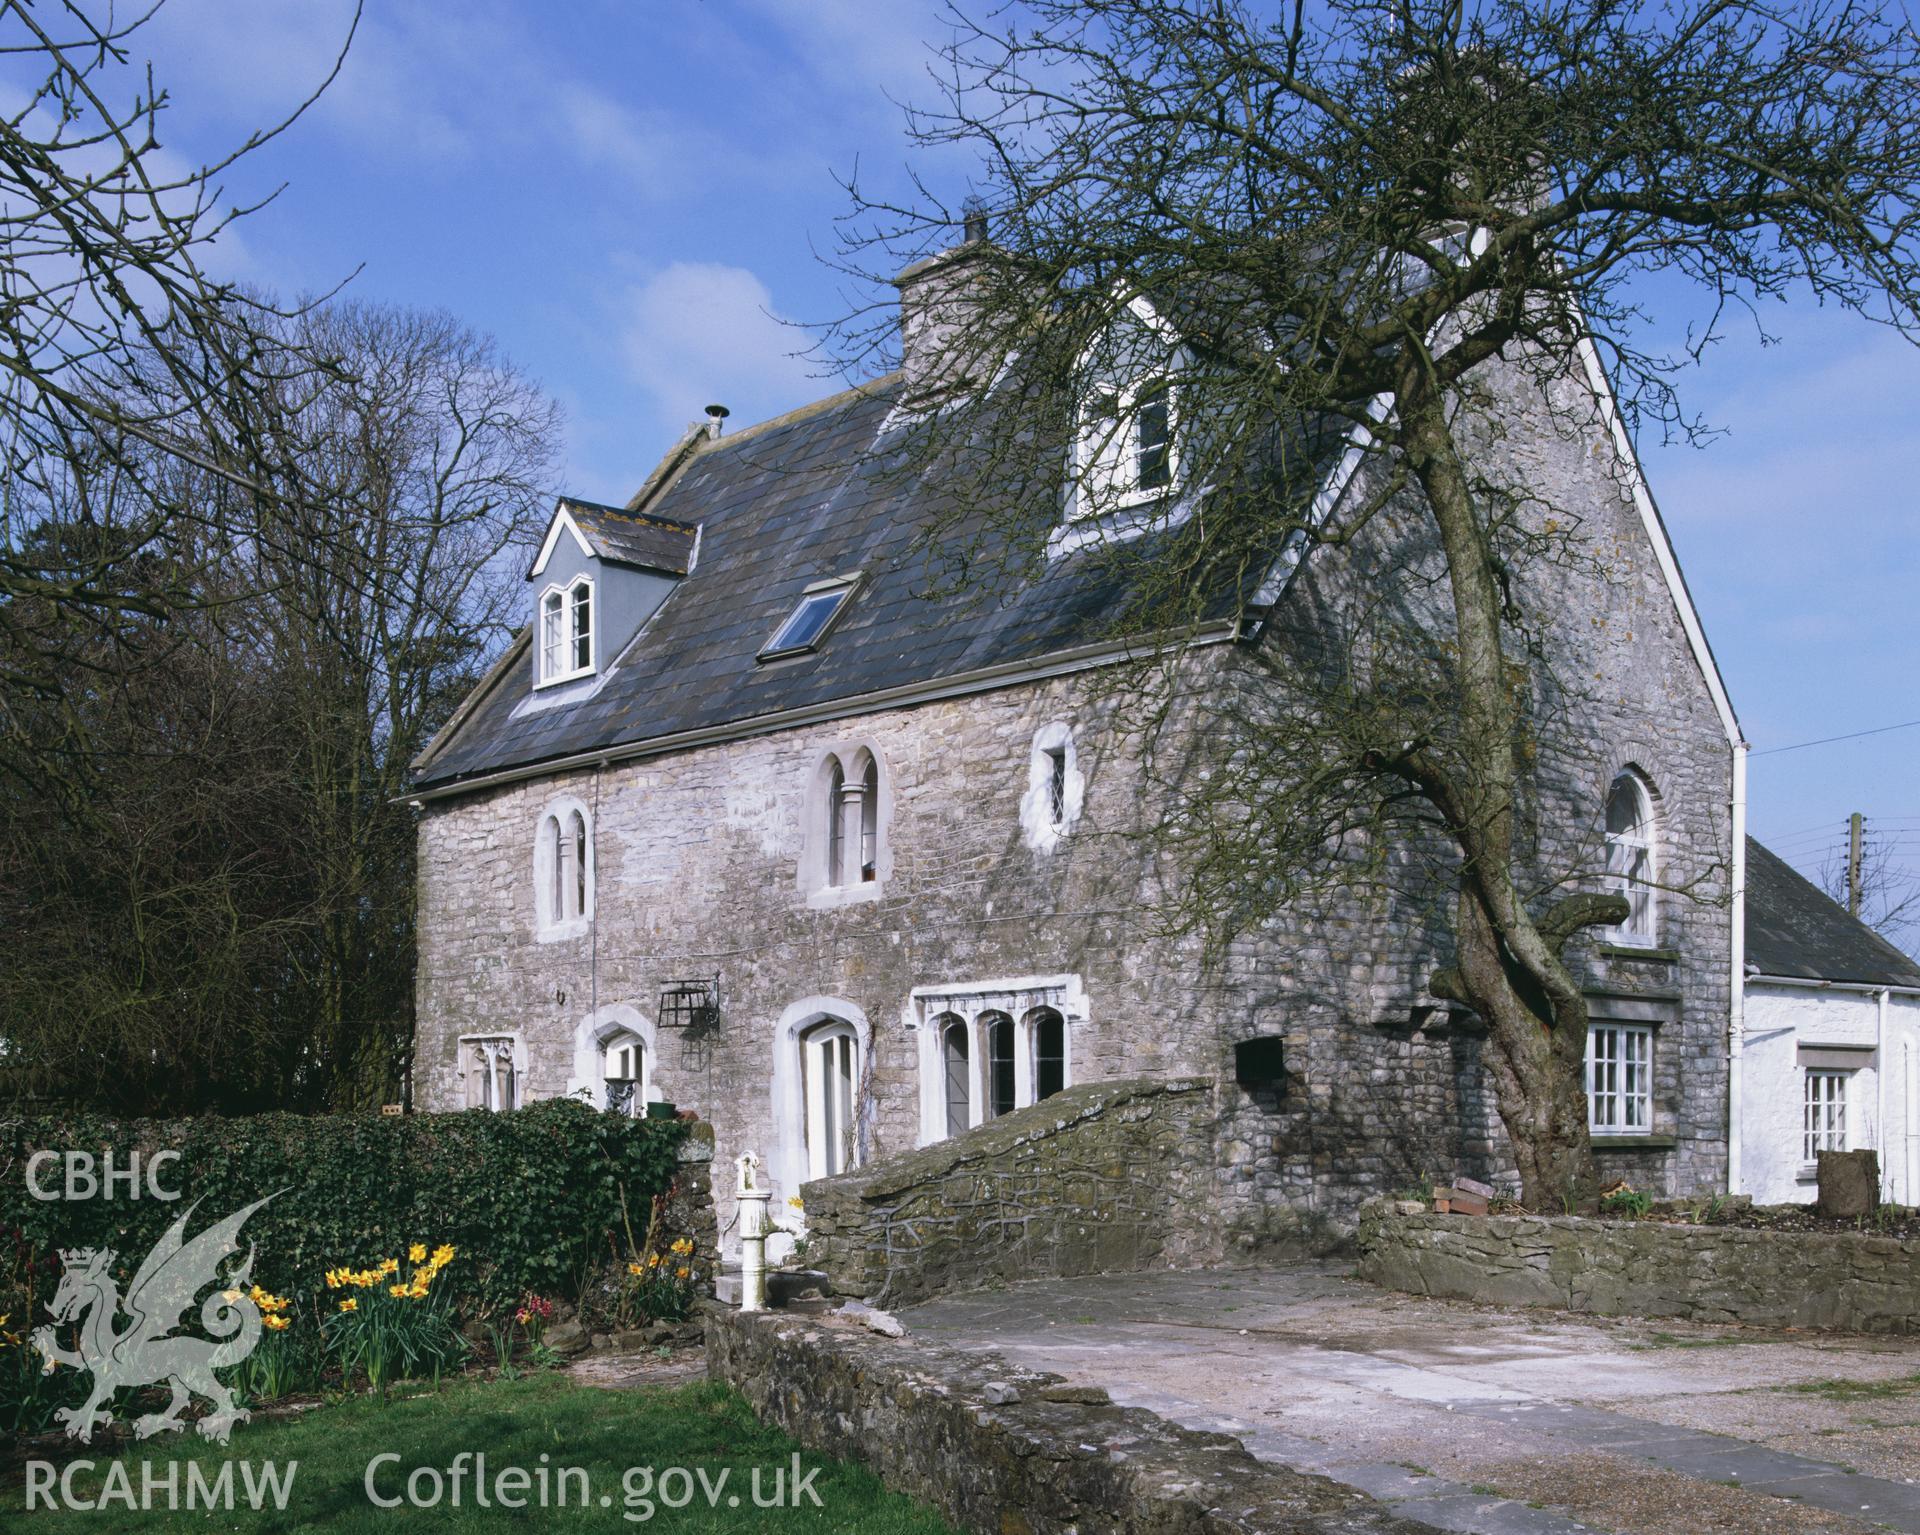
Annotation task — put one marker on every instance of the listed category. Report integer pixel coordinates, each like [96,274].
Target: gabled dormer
[601,573]
[1126,449]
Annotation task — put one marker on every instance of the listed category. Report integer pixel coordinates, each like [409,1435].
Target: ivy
[535,1200]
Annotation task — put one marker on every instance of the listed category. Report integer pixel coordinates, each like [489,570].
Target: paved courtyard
[1482,1419]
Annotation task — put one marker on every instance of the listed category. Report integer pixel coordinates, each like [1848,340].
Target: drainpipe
[1737,967]
[1881,1066]
[1911,1194]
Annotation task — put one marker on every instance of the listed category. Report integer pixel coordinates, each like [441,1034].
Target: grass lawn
[606,1434]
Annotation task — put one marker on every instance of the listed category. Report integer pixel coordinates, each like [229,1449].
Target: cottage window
[1052,803]
[846,838]
[563,870]
[623,1058]
[1631,859]
[829,1089]
[492,1081]
[1126,452]
[1824,1120]
[1048,1031]
[956,1062]
[1003,1094]
[989,1052]
[1619,1079]
[566,632]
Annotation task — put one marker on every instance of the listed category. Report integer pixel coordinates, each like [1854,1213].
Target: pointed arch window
[1633,857]
[563,869]
[1003,1092]
[492,1075]
[623,1068]
[956,1062]
[845,854]
[830,1091]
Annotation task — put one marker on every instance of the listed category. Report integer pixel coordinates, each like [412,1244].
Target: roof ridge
[871,387]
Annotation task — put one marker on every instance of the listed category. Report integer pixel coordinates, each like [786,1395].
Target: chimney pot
[716,414]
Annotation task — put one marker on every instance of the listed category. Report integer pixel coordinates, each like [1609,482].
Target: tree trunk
[1509,971]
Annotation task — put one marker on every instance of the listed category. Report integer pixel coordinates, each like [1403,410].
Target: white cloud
[699,332]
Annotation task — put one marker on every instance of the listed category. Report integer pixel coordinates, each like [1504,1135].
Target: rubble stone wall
[1843,1282]
[1102,1178]
[1004,1451]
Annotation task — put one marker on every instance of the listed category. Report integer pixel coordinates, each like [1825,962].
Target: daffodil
[274,1323]
[682,1273]
[417,1253]
[350,1304]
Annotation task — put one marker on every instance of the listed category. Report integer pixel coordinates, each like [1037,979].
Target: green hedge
[532,1200]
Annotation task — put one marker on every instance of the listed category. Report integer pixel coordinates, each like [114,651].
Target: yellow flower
[349,1304]
[230,1296]
[333,1279]
[682,1273]
[389,1265]
[417,1290]
[274,1323]
[683,1247]
[442,1255]
[634,1268]
[396,1289]
[653,1260]
[797,1202]
[417,1253]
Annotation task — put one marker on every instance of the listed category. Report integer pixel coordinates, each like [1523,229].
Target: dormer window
[1126,447]
[806,626]
[566,632]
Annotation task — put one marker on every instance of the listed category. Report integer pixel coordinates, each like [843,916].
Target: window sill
[1605,1142]
[1637,951]
[560,932]
[827,897]
[563,678]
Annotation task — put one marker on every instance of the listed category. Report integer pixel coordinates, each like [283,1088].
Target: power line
[1829,740]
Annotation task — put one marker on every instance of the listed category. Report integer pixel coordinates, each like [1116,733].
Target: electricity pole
[1853,863]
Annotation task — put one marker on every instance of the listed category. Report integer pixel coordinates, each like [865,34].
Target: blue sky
[631,196]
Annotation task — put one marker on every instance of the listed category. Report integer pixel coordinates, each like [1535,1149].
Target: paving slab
[1532,1422]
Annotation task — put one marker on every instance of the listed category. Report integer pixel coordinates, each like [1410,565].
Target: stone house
[1829,1054]
[750,821]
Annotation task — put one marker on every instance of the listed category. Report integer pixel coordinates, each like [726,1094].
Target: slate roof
[1795,929]
[796,500]
[634,538]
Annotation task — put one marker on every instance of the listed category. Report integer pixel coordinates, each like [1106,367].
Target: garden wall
[1852,1282]
[1104,1177]
[1004,1451]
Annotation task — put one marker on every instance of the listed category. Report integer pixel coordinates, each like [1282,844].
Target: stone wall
[700,861]
[1004,1451]
[1847,1282]
[1106,1177]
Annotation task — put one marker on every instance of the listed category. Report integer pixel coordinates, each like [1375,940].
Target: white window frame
[1619,1078]
[623,1042]
[831,1064]
[1825,1123]
[564,873]
[1107,448]
[793,1159]
[975,1006]
[576,597]
[1633,863]
[493,1072]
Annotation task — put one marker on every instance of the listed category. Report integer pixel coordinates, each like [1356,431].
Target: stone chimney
[942,300]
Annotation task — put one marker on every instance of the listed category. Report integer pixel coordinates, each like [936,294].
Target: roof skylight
[807,625]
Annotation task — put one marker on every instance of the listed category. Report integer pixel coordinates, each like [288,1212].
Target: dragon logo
[147,1351]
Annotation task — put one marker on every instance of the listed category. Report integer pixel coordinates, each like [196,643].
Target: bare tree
[1889,888]
[223,917]
[1348,219]
[119,354]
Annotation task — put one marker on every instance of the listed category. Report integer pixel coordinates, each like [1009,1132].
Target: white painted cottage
[1829,1055]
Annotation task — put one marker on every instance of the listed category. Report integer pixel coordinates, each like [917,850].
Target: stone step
[787,1289]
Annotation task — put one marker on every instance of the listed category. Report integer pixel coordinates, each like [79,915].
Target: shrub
[536,1198]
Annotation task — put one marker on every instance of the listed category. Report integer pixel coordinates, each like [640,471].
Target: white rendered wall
[1881,1113]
